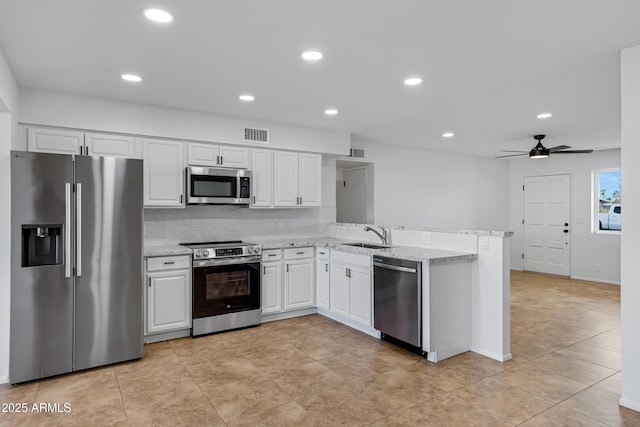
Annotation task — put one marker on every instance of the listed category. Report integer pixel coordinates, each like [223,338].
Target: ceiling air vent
[356,152]
[256,135]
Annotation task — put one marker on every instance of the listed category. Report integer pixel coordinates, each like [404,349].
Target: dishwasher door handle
[395,267]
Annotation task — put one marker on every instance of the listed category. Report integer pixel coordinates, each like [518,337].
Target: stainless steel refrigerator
[76,263]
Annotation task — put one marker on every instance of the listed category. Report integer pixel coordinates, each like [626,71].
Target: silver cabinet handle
[287,268]
[221,160]
[300,199]
[326,268]
[149,281]
[169,262]
[217,160]
[79,229]
[67,230]
[272,255]
[299,253]
[181,199]
[254,200]
[264,270]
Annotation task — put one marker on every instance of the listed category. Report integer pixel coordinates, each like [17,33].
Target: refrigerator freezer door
[108,303]
[41,296]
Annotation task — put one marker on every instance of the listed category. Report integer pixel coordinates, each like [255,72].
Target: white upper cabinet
[310,181]
[234,157]
[285,165]
[60,141]
[227,156]
[262,178]
[163,173]
[55,141]
[297,179]
[103,144]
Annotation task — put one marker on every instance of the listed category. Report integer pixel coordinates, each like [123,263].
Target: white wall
[631,233]
[587,248]
[423,188]
[98,114]
[8,138]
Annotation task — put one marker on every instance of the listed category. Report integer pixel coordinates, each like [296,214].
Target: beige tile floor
[314,371]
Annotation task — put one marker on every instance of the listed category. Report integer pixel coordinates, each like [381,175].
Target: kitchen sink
[367,245]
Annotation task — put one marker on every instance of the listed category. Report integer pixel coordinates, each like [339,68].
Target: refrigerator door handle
[78,229]
[67,230]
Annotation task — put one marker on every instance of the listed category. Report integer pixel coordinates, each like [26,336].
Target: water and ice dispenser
[42,244]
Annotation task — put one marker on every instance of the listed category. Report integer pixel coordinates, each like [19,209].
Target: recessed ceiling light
[247,98]
[131,77]
[158,15]
[312,55]
[544,115]
[331,111]
[413,81]
[447,135]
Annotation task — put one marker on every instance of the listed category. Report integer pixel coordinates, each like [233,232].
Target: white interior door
[547,212]
[355,196]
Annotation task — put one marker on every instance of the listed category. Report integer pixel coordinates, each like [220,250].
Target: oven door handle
[223,261]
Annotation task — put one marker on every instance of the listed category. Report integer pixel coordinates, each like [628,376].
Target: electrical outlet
[597,268]
[425,238]
[484,242]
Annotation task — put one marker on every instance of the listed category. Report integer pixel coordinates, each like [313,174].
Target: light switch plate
[484,242]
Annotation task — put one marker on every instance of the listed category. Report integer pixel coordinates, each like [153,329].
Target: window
[608,196]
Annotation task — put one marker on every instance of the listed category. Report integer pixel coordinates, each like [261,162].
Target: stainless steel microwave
[218,186]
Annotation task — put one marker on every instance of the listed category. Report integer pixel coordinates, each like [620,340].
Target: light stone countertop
[402,252]
[166,250]
[498,233]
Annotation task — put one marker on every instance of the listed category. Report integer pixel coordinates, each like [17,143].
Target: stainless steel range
[226,286]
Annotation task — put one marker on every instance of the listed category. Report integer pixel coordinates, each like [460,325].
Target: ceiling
[488,67]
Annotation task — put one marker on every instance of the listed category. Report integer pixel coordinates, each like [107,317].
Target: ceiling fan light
[533,155]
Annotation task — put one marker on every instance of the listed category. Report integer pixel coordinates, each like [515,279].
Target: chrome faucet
[382,236]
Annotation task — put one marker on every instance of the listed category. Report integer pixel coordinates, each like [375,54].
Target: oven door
[220,287]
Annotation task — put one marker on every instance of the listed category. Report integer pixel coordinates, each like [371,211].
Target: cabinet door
[163,173]
[271,287]
[203,154]
[299,284]
[234,157]
[360,301]
[168,301]
[339,290]
[99,144]
[285,166]
[262,179]
[310,179]
[322,283]
[54,141]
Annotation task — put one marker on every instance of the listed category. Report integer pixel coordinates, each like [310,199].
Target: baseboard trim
[629,404]
[352,324]
[287,314]
[492,355]
[4,380]
[591,279]
[164,336]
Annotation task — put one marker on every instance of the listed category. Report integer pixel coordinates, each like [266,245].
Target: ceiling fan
[542,152]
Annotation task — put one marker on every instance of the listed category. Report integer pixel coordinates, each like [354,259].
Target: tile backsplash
[212,223]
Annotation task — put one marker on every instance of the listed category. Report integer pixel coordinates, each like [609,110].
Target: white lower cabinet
[168,294]
[351,287]
[271,287]
[299,284]
[323,283]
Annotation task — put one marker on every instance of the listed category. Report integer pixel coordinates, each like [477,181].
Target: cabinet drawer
[351,258]
[295,253]
[168,263]
[271,255]
[322,253]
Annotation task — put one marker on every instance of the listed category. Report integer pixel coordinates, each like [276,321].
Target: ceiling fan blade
[573,152]
[513,151]
[513,155]
[558,148]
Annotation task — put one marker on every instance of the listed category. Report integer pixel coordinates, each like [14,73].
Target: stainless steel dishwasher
[397,295]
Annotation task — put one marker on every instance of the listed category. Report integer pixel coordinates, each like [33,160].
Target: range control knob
[250,250]
[198,253]
[257,250]
[205,253]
